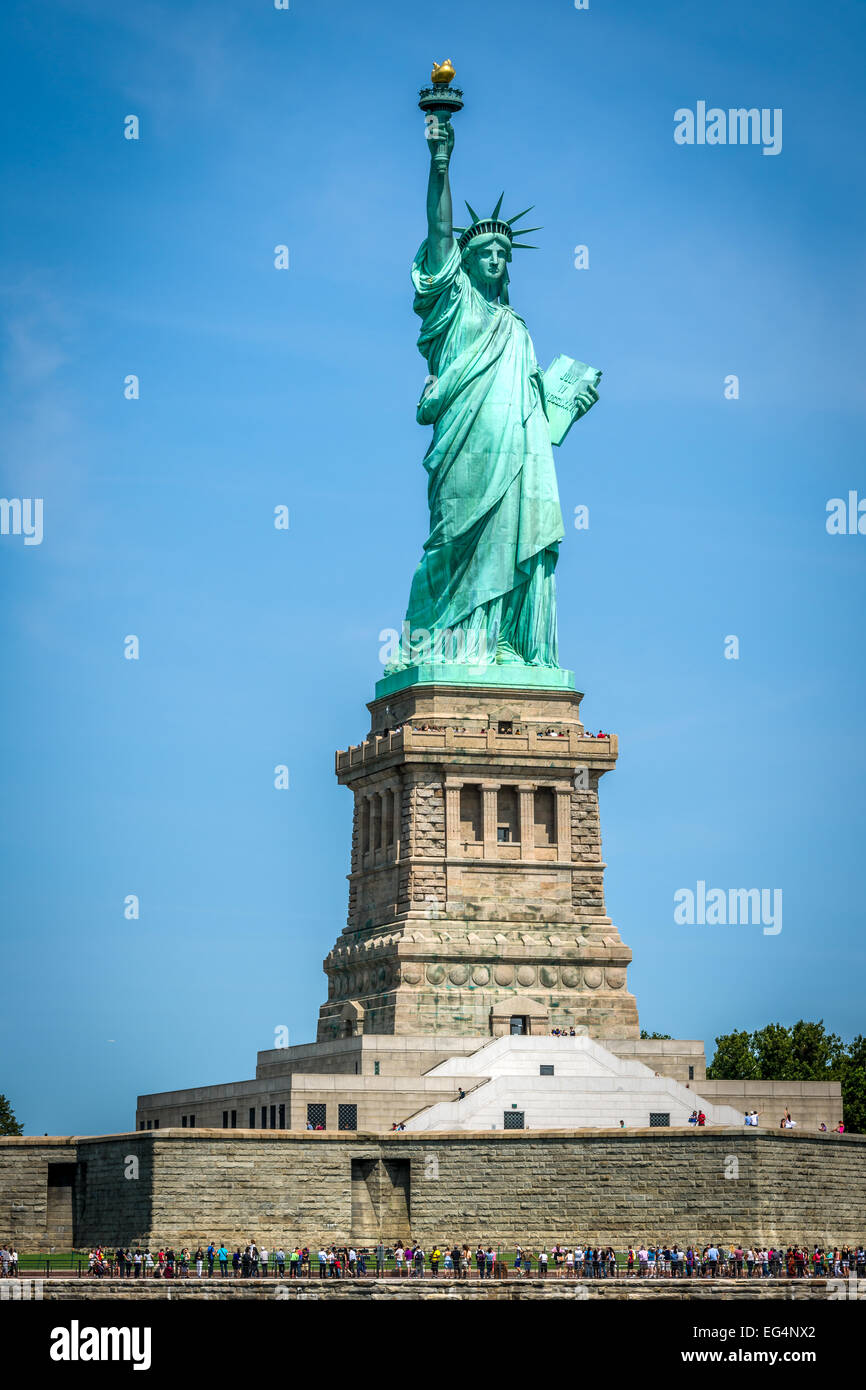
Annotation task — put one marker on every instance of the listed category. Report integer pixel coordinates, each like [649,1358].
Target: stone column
[526,792]
[452,817]
[489,813]
[563,821]
[397,794]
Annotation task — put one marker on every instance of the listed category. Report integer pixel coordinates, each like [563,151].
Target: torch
[439,103]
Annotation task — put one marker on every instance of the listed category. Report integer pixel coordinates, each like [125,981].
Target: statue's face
[487,260]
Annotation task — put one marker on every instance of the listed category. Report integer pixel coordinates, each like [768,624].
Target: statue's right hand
[440,137]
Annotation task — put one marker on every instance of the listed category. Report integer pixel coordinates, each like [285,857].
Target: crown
[484,226]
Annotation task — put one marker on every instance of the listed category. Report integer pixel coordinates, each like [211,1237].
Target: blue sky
[262,387]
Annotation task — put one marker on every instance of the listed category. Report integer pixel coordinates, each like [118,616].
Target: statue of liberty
[486,580]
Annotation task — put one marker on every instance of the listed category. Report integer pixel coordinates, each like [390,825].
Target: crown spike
[495,224]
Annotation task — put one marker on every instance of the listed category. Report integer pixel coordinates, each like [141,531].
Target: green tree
[734,1059]
[655,1037]
[805,1052]
[774,1053]
[852,1074]
[8,1122]
[816,1054]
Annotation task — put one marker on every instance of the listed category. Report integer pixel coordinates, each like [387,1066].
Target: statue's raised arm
[440,233]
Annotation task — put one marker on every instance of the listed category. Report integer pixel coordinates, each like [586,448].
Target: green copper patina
[484,594]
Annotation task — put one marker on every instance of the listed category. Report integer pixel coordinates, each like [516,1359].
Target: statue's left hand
[587,398]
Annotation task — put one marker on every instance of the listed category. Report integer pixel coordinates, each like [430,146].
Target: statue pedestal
[476,901]
[503,677]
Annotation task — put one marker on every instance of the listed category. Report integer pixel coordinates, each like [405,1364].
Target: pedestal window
[545,817]
[507,817]
[471,819]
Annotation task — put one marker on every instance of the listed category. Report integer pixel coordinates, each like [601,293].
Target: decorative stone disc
[592,976]
[615,977]
[412,974]
[480,975]
[435,974]
[526,975]
[458,974]
[548,975]
[504,974]
[570,976]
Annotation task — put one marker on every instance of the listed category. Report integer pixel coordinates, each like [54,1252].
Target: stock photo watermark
[732,907]
[20,1290]
[737,126]
[852,1287]
[452,646]
[846,517]
[77,1343]
[22,516]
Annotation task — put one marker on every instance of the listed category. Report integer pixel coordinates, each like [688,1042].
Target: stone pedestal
[476,901]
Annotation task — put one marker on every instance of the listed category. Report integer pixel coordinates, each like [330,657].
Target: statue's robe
[495,517]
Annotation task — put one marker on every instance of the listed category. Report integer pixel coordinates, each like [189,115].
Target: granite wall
[613,1187]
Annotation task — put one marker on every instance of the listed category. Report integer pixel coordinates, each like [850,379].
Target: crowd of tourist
[503,729]
[485,1261]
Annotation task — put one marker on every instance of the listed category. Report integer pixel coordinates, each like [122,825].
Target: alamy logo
[453,646]
[77,1343]
[846,518]
[852,1287]
[737,126]
[22,516]
[737,906]
[18,1290]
